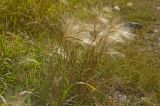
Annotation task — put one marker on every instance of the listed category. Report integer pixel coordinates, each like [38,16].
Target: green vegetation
[42,63]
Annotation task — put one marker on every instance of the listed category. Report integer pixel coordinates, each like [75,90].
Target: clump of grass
[79,59]
[83,46]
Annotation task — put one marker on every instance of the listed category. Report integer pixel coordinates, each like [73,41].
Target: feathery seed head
[103,34]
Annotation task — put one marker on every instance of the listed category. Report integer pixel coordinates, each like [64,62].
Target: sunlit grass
[60,52]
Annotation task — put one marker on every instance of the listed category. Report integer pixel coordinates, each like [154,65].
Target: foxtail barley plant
[87,43]
[99,37]
[103,34]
